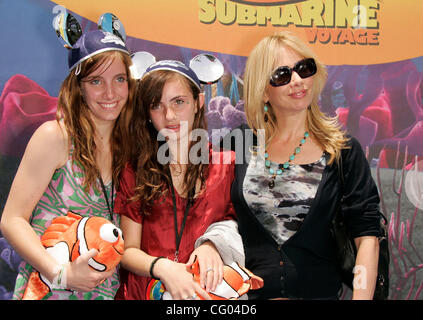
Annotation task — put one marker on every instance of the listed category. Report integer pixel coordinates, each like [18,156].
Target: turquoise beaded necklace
[282,166]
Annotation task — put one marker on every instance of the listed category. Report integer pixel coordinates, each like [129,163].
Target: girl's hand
[83,278]
[211,265]
[178,281]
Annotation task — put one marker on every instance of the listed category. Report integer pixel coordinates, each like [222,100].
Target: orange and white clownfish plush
[237,281]
[72,235]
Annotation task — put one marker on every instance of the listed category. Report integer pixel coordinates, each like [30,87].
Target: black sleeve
[361,198]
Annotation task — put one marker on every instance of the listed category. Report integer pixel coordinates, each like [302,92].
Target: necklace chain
[282,166]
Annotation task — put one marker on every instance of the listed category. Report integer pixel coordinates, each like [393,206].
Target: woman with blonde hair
[286,193]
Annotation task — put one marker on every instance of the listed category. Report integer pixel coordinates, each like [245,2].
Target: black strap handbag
[346,250]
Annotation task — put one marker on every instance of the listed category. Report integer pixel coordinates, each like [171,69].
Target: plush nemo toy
[72,235]
[237,281]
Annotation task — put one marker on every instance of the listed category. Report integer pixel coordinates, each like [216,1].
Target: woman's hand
[178,281]
[211,265]
[83,278]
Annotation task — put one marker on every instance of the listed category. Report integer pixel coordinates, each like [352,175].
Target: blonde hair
[260,65]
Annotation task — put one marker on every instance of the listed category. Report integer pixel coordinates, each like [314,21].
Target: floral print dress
[65,193]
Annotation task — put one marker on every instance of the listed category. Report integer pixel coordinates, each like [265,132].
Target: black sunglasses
[282,75]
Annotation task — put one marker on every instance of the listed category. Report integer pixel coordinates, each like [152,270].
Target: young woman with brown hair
[73,164]
[174,196]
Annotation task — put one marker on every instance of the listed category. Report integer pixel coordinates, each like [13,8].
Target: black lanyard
[110,206]
[178,234]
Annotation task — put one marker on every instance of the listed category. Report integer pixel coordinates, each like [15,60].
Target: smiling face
[105,90]
[295,96]
[173,116]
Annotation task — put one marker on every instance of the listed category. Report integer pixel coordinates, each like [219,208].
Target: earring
[149,120]
[266,109]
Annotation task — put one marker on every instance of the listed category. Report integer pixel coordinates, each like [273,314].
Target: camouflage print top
[282,209]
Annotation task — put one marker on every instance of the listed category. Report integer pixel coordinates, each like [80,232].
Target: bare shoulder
[52,132]
[45,152]
[53,129]
[50,139]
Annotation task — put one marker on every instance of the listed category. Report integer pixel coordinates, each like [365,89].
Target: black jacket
[304,266]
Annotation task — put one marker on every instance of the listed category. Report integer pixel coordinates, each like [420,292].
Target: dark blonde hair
[74,112]
[153,178]
[260,65]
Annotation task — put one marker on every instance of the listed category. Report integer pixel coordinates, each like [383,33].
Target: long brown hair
[74,112]
[153,178]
